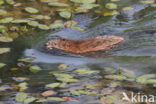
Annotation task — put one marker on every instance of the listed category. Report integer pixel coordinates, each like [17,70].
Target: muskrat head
[52,44]
[59,44]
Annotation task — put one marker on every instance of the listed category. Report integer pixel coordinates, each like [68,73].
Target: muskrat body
[98,43]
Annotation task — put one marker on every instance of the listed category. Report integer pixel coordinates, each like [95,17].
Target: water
[137,53]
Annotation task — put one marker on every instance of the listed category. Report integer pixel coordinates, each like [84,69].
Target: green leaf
[58,4]
[53,85]
[2,28]
[23,86]
[111,6]
[109,70]
[83,1]
[34,69]
[4,50]
[43,27]
[77,28]
[3,12]
[65,14]
[5,39]
[112,98]
[67,80]
[6,20]
[73,92]
[41,17]
[55,99]
[31,10]
[62,85]
[20,21]
[33,23]
[2,65]
[115,77]
[20,97]
[1,2]
[27,59]
[144,78]
[83,71]
[63,75]
[11,2]
[29,100]
[87,6]
[56,24]
[41,100]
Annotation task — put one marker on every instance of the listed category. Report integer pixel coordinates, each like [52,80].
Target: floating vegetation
[35,69]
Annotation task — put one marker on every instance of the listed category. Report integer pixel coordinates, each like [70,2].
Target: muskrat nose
[48,45]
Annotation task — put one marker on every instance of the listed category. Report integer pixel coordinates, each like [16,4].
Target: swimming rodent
[99,43]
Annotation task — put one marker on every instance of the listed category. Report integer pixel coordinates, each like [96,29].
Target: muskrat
[98,43]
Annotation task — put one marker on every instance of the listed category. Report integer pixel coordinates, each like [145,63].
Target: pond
[101,78]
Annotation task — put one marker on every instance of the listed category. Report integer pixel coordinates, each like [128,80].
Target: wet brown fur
[86,45]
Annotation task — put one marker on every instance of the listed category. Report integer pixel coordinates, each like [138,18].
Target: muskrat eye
[63,39]
[55,44]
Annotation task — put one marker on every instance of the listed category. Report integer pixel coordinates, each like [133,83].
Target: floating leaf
[2,65]
[5,39]
[3,12]
[62,85]
[73,92]
[65,14]
[29,100]
[41,100]
[83,71]
[53,85]
[20,79]
[48,93]
[56,24]
[3,88]
[147,1]
[127,8]
[67,79]
[1,2]
[35,69]
[144,78]
[55,99]
[58,4]
[4,50]
[111,6]
[23,86]
[111,13]
[20,21]
[69,99]
[115,77]
[20,97]
[33,23]
[31,10]
[87,6]
[43,27]
[40,17]
[6,20]
[11,2]
[109,70]
[27,59]
[2,28]
[83,1]
[112,98]
[63,75]
[77,28]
